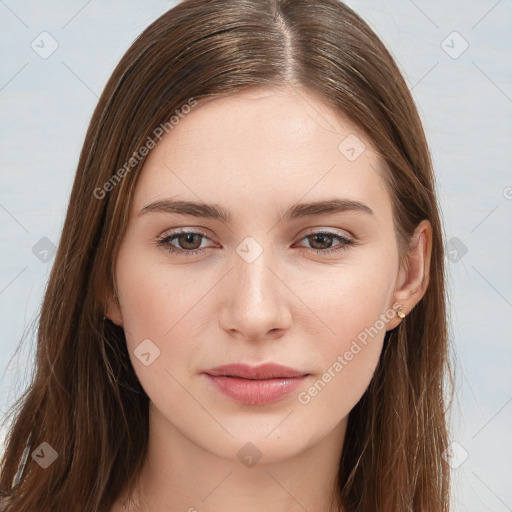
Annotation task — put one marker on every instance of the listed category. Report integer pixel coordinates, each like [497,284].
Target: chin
[256,445]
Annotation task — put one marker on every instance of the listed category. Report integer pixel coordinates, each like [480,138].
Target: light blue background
[466,106]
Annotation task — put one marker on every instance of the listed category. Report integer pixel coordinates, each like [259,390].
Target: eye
[325,238]
[188,240]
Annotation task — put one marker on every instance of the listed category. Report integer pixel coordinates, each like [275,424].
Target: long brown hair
[85,400]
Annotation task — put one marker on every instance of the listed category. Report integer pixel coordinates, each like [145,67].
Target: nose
[255,301]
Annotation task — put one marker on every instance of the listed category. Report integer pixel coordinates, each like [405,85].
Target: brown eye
[188,242]
[321,241]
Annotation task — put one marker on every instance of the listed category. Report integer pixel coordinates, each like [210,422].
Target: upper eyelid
[183,231]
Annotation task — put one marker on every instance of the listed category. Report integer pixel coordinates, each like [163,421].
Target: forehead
[263,148]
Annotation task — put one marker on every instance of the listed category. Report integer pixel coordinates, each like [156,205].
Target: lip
[255,385]
[263,371]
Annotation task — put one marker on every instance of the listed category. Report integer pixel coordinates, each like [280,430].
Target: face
[270,281]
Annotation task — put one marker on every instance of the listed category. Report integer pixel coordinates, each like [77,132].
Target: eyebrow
[217,212]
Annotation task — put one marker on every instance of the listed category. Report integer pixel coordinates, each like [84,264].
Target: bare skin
[256,155]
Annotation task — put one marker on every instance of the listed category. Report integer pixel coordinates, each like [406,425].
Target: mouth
[261,372]
[255,385]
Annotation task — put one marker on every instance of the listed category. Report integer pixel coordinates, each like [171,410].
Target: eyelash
[164,242]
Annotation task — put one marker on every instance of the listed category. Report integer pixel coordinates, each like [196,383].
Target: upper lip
[246,371]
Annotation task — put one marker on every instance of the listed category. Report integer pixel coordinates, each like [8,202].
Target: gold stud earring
[400,313]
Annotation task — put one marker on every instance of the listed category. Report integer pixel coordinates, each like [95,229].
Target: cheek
[163,305]
[351,298]
[354,310]
[335,391]
[349,363]
[155,298]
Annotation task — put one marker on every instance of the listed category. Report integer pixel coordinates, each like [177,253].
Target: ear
[113,309]
[413,276]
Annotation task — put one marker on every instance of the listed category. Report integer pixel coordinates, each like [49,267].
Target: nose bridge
[251,269]
[254,279]
[255,303]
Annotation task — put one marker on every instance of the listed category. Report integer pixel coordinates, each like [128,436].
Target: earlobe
[413,278]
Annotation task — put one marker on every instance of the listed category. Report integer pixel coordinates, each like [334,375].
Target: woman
[247,306]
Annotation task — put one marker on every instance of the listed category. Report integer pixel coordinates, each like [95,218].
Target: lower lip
[256,392]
